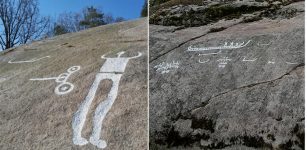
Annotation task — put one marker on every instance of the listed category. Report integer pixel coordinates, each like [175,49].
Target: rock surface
[213,11]
[246,96]
[32,116]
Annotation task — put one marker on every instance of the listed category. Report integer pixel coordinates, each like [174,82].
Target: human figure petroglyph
[64,87]
[226,46]
[223,62]
[251,60]
[166,67]
[27,61]
[112,69]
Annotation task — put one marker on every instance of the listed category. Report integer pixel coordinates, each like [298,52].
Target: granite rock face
[213,11]
[33,116]
[238,85]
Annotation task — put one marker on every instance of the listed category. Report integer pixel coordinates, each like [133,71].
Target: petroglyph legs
[27,61]
[100,113]
[64,87]
[112,69]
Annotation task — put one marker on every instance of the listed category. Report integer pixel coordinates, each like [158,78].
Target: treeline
[74,22]
[21,22]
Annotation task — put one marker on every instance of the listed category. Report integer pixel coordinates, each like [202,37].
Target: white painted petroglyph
[64,87]
[223,62]
[166,67]
[202,62]
[290,63]
[112,69]
[226,46]
[206,54]
[27,61]
[271,62]
[251,60]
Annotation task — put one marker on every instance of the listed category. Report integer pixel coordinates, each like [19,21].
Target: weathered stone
[32,116]
[251,97]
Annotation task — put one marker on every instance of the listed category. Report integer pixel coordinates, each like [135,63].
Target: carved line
[226,46]
[28,61]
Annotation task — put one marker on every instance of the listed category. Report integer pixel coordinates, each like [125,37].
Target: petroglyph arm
[27,61]
[121,53]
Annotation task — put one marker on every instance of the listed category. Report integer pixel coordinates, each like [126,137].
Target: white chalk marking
[210,54]
[244,59]
[166,67]
[271,62]
[202,62]
[27,61]
[232,45]
[112,69]
[291,63]
[223,62]
[64,87]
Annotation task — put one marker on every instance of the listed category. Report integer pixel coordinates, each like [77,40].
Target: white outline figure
[112,69]
[244,59]
[165,67]
[225,46]
[27,61]
[64,87]
[223,62]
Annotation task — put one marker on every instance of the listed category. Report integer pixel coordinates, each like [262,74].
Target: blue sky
[129,9]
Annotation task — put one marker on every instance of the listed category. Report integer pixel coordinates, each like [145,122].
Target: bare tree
[21,22]
[70,21]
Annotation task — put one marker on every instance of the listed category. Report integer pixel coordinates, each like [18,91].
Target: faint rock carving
[244,59]
[226,46]
[2,79]
[64,87]
[202,62]
[112,69]
[219,52]
[166,67]
[27,61]
[264,44]
[290,63]
[271,62]
[123,31]
[223,62]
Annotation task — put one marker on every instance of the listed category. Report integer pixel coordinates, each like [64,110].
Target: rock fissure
[252,85]
[212,30]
